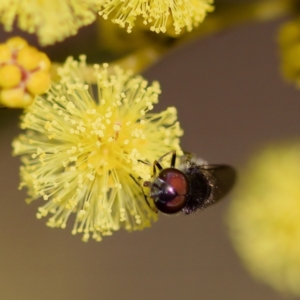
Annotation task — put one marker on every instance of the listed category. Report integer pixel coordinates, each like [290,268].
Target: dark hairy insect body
[188,188]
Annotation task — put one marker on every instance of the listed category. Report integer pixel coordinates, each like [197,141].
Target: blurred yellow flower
[264,217]
[289,43]
[52,20]
[158,15]
[24,73]
[81,145]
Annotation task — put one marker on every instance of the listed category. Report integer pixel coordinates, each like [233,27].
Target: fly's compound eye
[169,191]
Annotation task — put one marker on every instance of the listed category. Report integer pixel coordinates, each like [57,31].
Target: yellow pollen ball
[29,58]
[15,98]
[5,53]
[10,76]
[16,43]
[45,62]
[38,82]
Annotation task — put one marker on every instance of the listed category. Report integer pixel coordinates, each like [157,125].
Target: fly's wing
[222,177]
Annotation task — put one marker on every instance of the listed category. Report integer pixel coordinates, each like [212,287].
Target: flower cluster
[83,147]
[52,20]
[159,15]
[264,217]
[24,73]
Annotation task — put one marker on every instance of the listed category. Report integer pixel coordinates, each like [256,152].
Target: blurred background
[231,100]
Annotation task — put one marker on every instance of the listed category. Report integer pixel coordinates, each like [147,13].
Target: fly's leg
[146,199]
[173,158]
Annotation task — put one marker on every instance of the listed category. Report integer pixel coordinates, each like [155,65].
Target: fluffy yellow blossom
[158,15]
[52,20]
[289,43]
[24,73]
[82,145]
[264,217]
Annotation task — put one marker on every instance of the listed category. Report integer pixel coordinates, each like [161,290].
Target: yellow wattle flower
[82,145]
[289,44]
[264,217]
[158,15]
[52,21]
[24,73]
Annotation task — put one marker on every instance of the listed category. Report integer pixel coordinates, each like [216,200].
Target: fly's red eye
[176,179]
[169,191]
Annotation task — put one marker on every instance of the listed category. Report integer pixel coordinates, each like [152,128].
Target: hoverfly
[189,187]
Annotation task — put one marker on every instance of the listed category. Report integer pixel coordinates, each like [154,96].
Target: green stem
[142,59]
